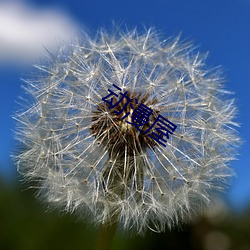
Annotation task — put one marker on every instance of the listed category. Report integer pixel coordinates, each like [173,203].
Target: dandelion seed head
[86,158]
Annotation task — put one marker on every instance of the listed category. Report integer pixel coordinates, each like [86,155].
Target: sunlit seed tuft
[86,158]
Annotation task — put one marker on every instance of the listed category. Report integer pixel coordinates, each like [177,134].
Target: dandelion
[85,141]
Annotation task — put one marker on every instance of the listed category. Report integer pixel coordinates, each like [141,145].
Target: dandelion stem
[105,236]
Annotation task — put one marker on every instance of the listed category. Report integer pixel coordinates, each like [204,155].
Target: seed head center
[124,125]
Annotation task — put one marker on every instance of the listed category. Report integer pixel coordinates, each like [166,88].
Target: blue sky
[221,27]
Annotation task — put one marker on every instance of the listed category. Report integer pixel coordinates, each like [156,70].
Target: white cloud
[25,31]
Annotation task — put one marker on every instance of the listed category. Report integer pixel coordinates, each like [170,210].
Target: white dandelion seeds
[87,159]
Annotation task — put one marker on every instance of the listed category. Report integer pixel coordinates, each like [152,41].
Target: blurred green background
[27,225]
